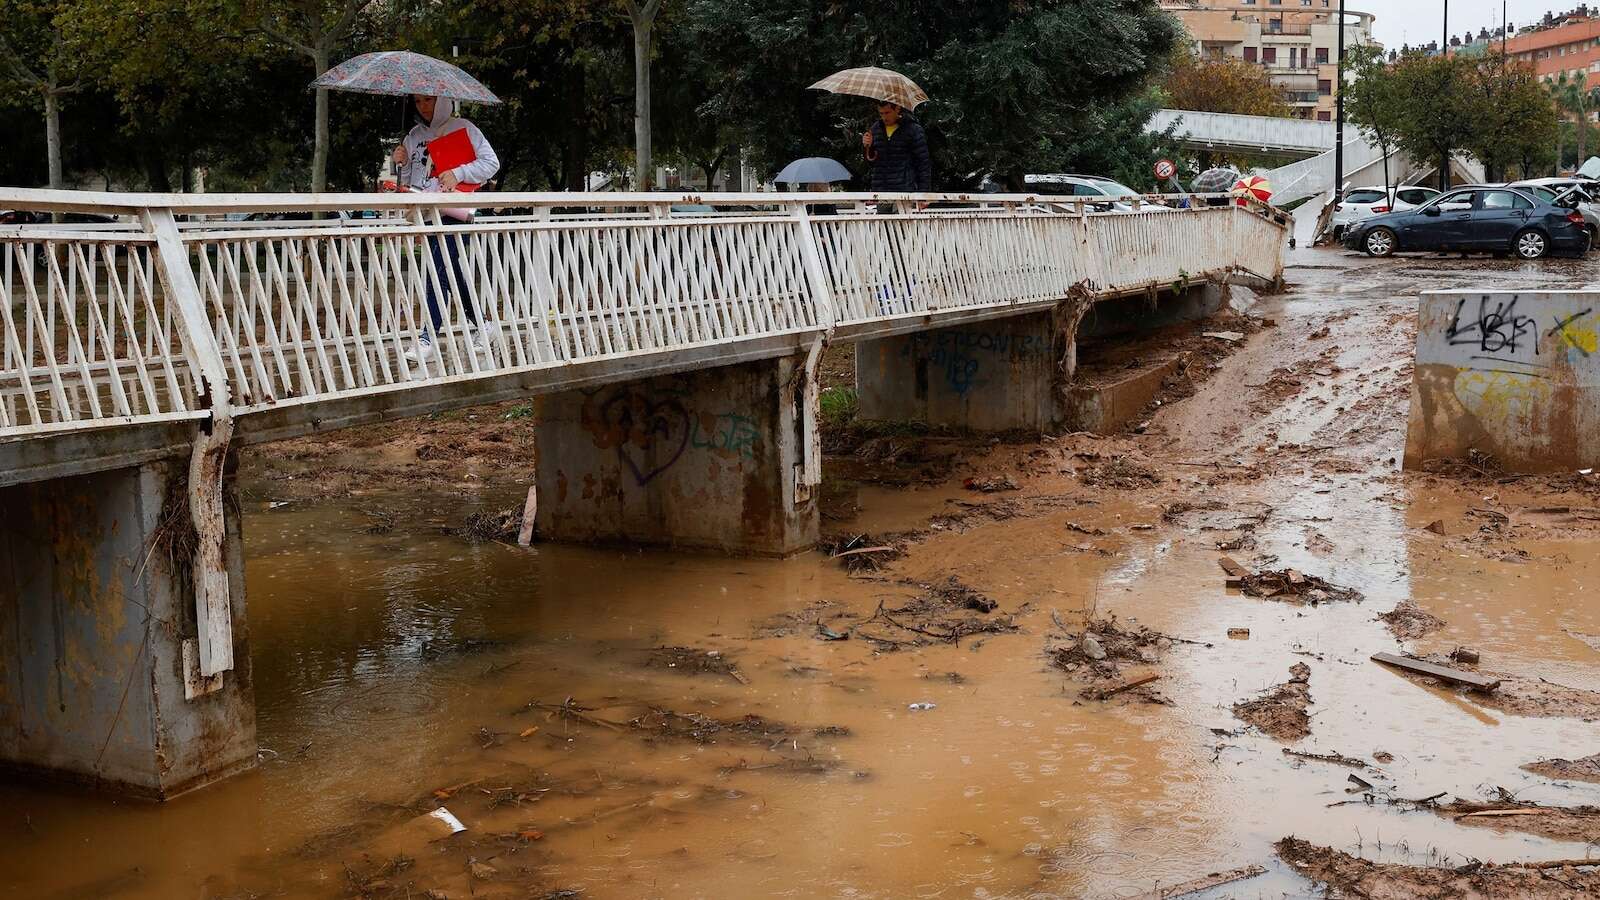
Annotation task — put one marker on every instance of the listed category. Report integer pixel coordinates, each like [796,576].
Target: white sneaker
[422,349]
[484,336]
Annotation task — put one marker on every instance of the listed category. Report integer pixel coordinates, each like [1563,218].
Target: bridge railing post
[213,617]
[827,314]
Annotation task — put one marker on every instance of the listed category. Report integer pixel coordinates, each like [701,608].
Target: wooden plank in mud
[1455,676]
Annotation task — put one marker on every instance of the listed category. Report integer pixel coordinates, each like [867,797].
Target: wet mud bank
[1014,668]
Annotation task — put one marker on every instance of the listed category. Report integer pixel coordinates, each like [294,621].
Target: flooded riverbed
[648,724]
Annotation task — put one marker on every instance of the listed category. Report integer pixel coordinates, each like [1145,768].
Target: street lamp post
[1444,52]
[1338,127]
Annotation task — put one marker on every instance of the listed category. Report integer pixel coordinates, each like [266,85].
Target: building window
[1324,116]
[1250,54]
[1325,87]
[1322,55]
[1269,55]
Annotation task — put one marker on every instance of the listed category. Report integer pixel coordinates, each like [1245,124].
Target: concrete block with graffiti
[702,460]
[1513,374]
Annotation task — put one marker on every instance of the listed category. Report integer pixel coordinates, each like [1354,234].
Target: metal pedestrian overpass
[1310,176]
[138,353]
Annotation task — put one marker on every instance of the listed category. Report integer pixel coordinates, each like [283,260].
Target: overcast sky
[1420,21]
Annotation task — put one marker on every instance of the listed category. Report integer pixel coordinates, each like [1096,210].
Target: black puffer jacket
[902,162]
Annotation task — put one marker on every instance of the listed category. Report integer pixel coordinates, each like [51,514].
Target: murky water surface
[389,667]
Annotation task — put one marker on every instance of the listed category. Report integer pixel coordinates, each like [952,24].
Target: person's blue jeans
[449,275]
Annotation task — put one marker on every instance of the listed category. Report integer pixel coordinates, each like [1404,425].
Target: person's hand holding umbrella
[405,74]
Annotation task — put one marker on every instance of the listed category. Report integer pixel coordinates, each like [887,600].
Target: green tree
[1373,102]
[1017,87]
[42,59]
[1442,108]
[1572,94]
[1516,118]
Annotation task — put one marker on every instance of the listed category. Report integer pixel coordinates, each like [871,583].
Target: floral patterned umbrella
[401,72]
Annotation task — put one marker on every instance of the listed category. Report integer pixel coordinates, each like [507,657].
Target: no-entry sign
[1165,169]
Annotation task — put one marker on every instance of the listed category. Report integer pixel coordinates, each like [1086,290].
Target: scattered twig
[1336,758]
[1126,686]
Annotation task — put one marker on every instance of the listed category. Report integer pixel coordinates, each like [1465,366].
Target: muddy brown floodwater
[646,724]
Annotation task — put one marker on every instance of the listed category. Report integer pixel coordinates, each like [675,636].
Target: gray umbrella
[813,170]
[1215,181]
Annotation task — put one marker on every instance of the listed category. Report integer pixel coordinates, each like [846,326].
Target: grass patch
[838,407]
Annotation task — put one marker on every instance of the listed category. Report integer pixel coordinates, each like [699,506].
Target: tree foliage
[1442,106]
[1017,85]
[1373,102]
[1429,107]
[1227,85]
[168,88]
[1515,121]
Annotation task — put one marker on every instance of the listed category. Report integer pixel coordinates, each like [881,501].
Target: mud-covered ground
[1020,666]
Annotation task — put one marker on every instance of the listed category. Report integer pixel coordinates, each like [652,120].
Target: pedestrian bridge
[673,342]
[1230,133]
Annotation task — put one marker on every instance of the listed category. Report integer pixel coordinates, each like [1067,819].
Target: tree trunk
[1557,170]
[52,135]
[1583,131]
[319,155]
[643,34]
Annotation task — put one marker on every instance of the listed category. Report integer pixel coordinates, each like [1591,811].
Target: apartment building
[1571,44]
[1294,40]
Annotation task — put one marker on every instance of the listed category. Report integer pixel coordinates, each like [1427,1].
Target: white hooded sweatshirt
[418,175]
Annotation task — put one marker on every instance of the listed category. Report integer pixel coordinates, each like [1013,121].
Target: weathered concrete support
[990,376]
[705,460]
[1512,374]
[96,606]
[1011,373]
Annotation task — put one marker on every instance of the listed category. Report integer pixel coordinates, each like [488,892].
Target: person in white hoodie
[436,118]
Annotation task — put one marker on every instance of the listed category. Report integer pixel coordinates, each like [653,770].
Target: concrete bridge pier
[1017,373]
[98,624]
[704,460]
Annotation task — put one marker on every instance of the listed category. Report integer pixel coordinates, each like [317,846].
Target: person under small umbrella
[436,118]
[897,150]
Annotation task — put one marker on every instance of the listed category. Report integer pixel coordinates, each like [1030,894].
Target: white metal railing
[178,309]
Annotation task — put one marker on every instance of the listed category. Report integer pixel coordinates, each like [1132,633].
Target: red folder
[452,150]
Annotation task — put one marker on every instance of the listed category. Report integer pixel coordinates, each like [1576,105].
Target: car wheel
[1379,242]
[1530,244]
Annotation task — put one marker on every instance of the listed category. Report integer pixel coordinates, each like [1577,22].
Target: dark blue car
[1475,219]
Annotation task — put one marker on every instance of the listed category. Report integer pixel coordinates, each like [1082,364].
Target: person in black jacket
[897,149]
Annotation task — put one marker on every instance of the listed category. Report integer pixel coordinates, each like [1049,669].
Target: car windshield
[1455,200]
[1363,196]
[1115,189]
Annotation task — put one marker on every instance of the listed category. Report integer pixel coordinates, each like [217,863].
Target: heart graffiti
[649,433]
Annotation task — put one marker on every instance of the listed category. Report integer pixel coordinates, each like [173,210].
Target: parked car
[1475,219]
[1571,193]
[1110,195]
[1361,204]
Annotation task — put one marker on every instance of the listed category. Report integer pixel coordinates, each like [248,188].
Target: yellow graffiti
[1579,337]
[1505,396]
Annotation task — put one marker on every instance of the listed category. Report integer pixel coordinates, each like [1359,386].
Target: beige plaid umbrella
[879,84]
